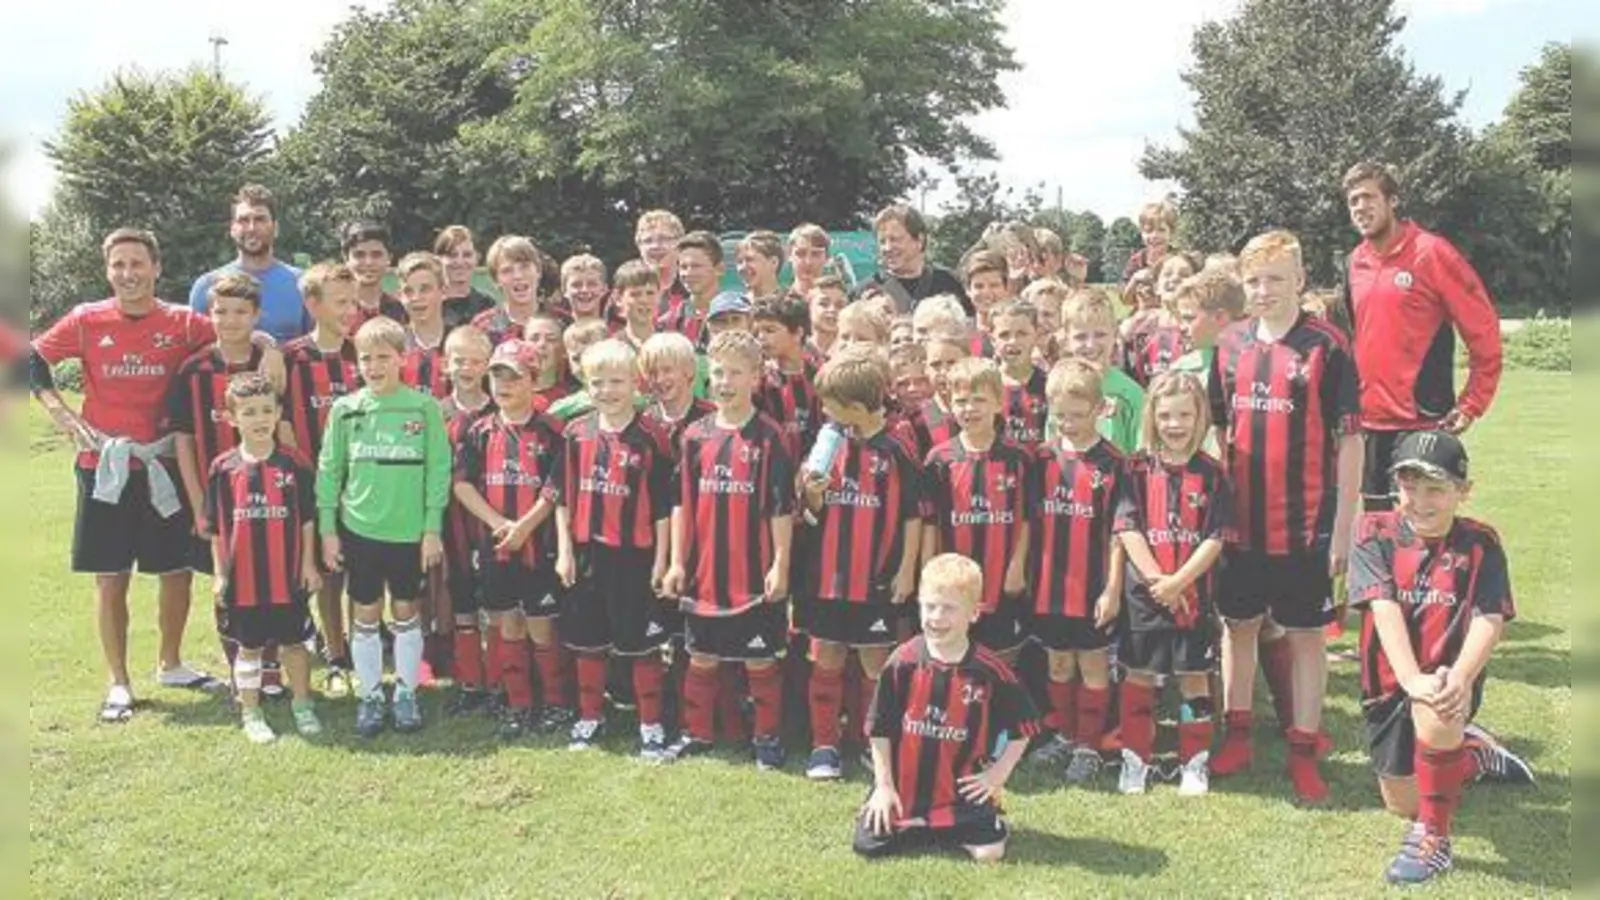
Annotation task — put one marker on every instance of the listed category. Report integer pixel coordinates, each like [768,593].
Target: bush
[69,376]
[1541,344]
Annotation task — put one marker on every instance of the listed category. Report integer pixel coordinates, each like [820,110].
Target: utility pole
[217,43]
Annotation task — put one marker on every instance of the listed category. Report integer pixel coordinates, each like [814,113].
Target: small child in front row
[261,505]
[612,544]
[942,703]
[1075,566]
[1170,521]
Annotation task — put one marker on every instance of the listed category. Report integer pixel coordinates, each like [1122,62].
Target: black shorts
[1296,589]
[1002,630]
[870,624]
[513,586]
[1170,651]
[1377,485]
[1059,633]
[1392,736]
[613,607]
[377,567]
[462,581]
[281,624]
[981,827]
[114,538]
[755,634]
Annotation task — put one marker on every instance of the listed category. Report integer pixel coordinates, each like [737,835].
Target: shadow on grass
[1539,666]
[1027,847]
[1527,829]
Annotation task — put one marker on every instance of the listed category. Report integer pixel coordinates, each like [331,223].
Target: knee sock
[366,652]
[511,670]
[492,651]
[826,696]
[552,673]
[1138,721]
[699,699]
[592,669]
[1062,716]
[766,689]
[1090,722]
[407,653]
[1438,785]
[1194,728]
[467,664]
[647,677]
[730,690]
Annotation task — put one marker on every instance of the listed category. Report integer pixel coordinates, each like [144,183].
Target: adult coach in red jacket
[1409,292]
[130,345]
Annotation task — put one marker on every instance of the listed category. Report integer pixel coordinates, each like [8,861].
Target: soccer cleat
[652,743]
[407,712]
[825,764]
[272,681]
[369,715]
[1423,856]
[516,724]
[1495,763]
[1054,750]
[1135,772]
[1194,778]
[465,702]
[336,681]
[495,705]
[1084,765]
[768,752]
[555,719]
[256,728]
[305,718]
[585,734]
[685,746]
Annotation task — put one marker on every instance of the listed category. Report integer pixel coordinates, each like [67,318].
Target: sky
[1083,146]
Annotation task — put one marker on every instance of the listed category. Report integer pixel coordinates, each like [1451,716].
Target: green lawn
[177,804]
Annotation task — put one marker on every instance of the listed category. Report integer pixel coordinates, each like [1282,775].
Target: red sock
[766,689]
[827,694]
[1193,738]
[699,699]
[730,690]
[1438,785]
[855,714]
[648,674]
[1063,717]
[492,653]
[552,673]
[1138,721]
[468,662]
[1276,667]
[511,670]
[591,685]
[1090,720]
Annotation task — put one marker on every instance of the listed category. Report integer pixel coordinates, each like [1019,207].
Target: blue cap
[728,302]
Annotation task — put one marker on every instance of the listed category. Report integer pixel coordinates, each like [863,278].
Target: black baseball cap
[1436,454]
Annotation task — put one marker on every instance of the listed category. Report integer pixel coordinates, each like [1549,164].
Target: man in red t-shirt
[131,345]
[1409,292]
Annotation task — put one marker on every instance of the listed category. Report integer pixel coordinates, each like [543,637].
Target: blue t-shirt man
[283,311]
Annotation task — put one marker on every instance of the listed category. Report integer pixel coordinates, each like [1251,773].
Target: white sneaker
[1135,772]
[1195,778]
[257,730]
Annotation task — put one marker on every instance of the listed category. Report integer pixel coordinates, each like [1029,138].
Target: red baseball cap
[519,356]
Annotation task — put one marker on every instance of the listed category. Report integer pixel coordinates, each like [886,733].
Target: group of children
[708,507]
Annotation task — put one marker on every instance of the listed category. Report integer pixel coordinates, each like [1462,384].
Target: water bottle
[830,438]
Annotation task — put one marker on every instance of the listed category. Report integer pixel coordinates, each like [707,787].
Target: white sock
[407,653]
[366,652]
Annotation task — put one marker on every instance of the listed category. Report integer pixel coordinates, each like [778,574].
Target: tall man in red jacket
[1410,291]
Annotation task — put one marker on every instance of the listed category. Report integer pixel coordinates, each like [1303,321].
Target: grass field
[176,803]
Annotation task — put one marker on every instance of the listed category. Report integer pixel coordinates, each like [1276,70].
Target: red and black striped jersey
[616,485]
[316,378]
[423,367]
[942,721]
[513,465]
[1024,408]
[791,400]
[733,483]
[874,493]
[258,508]
[1285,404]
[685,318]
[673,296]
[976,501]
[674,428]
[1140,333]
[388,306]
[933,425]
[980,345]
[462,530]
[1162,347]
[197,401]
[1177,508]
[1072,501]
[1441,584]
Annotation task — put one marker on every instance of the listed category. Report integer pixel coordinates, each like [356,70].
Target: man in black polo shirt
[905,273]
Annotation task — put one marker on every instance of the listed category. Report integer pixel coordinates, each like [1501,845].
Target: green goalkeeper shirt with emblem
[384,471]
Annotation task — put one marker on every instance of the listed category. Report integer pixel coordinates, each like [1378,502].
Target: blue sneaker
[407,712]
[684,747]
[1423,856]
[369,715]
[769,753]
[825,764]
[1495,762]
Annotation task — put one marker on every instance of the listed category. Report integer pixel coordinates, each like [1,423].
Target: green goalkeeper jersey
[385,466]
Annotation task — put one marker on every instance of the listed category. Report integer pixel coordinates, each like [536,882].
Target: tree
[980,202]
[162,151]
[564,119]
[65,266]
[1288,95]
[1089,240]
[1123,239]
[1538,119]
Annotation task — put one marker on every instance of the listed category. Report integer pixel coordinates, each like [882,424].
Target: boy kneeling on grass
[942,705]
[1439,594]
